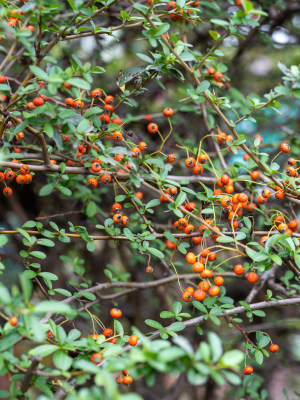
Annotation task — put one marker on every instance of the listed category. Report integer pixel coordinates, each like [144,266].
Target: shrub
[150,195]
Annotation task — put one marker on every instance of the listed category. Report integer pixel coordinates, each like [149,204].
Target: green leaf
[89,296]
[204,85]
[26,287]
[91,246]
[119,327]
[46,242]
[39,72]
[48,275]
[166,314]
[93,110]
[29,274]
[232,378]
[259,313]
[177,307]
[20,127]
[152,203]
[225,239]
[63,292]
[247,222]
[240,236]
[73,335]
[171,354]
[62,361]
[259,357]
[251,253]
[38,254]
[3,240]
[66,191]
[8,341]
[129,234]
[91,209]
[144,58]
[232,358]
[297,260]
[276,258]
[48,128]
[187,56]
[155,252]
[195,378]
[170,237]
[200,306]
[176,326]
[80,83]
[85,365]
[52,306]
[163,28]
[245,305]
[153,324]
[25,234]
[263,341]
[215,319]
[43,350]
[180,199]
[46,190]
[219,22]
[215,345]
[83,124]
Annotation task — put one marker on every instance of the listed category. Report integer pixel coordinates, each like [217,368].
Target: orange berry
[190,258]
[273,348]
[198,266]
[171,158]
[255,175]
[133,339]
[187,297]
[214,291]
[219,280]
[199,295]
[127,380]
[117,136]
[96,93]
[218,76]
[108,333]
[116,313]
[13,321]
[190,162]
[285,147]
[96,358]
[204,285]
[252,277]
[152,128]
[206,273]
[247,370]
[239,269]
[264,240]
[168,112]
[105,178]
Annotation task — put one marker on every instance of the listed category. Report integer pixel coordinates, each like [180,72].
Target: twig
[31,371]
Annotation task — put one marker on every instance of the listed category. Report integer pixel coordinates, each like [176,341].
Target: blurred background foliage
[252,64]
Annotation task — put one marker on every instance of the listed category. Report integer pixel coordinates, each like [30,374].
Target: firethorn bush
[149,199]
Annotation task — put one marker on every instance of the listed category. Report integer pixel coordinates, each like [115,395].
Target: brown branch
[237,310]
[257,109]
[230,321]
[30,373]
[34,132]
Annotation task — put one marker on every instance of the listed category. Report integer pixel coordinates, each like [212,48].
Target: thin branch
[30,373]
[238,310]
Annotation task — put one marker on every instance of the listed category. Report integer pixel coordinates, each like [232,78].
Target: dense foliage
[149,199]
